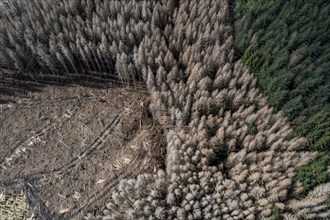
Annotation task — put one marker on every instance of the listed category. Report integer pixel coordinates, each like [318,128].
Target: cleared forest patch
[68,147]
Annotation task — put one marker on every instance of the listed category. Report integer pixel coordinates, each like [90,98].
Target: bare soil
[68,147]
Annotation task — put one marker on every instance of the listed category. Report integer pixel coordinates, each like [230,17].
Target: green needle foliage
[252,128]
[286,44]
[314,173]
[276,213]
[210,131]
[317,131]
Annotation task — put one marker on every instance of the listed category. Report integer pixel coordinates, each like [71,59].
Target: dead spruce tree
[143,197]
[314,206]
[75,36]
[227,156]
[234,161]
[227,152]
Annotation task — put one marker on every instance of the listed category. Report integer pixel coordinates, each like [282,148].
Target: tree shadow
[13,84]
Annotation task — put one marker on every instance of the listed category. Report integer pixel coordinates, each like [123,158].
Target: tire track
[68,114]
[129,171]
[74,162]
[40,209]
[93,146]
[27,182]
[51,102]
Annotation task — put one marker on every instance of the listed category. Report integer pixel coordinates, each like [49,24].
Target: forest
[286,44]
[245,85]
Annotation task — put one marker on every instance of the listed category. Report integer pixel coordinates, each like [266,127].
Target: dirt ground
[67,147]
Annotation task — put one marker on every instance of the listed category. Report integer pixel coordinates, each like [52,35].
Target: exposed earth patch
[67,147]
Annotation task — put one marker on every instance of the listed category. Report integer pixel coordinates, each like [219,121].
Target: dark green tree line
[286,44]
